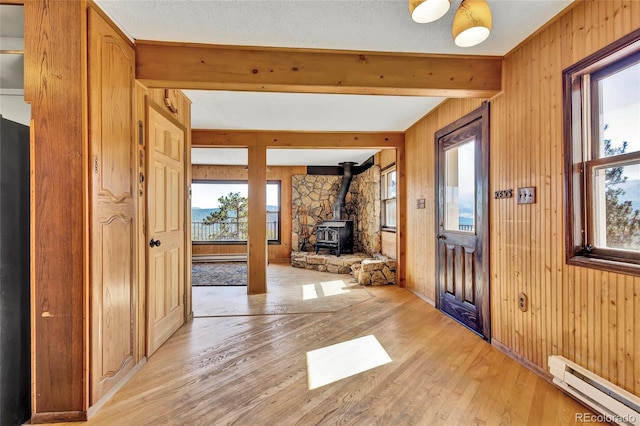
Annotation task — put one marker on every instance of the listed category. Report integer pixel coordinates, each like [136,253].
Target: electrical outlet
[523,302]
[527,195]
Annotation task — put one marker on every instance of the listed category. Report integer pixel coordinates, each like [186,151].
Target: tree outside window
[231,218]
[621,214]
[219,212]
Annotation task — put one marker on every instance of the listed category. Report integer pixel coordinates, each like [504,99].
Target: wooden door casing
[165,223]
[462,267]
[113,235]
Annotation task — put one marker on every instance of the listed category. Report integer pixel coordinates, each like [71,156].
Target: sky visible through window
[621,108]
[205,195]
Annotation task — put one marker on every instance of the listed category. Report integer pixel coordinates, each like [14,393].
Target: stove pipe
[342,192]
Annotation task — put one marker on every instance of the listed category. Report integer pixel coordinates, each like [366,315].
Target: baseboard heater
[219,258]
[614,403]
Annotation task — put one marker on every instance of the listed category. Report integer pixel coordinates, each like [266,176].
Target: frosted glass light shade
[472,23]
[423,11]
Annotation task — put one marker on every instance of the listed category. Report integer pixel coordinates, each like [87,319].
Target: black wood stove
[337,234]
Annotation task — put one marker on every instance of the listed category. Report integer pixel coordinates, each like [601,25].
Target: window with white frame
[388,197]
[602,153]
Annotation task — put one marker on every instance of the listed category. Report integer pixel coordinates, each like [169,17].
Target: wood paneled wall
[55,85]
[586,315]
[385,158]
[277,252]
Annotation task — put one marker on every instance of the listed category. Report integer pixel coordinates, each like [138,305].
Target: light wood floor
[290,291]
[252,370]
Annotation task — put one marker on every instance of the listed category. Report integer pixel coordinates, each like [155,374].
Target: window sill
[605,265]
[391,230]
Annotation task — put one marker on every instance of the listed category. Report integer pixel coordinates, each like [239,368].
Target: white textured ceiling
[305,111]
[281,157]
[374,25]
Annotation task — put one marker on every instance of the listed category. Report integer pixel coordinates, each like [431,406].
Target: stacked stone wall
[312,201]
[367,232]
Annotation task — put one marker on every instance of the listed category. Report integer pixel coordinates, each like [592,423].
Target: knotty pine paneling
[586,315]
[277,252]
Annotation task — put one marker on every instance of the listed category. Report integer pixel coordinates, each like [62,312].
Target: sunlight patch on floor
[324,289]
[346,359]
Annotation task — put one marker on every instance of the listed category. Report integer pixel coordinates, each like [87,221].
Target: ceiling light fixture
[471,23]
[423,11]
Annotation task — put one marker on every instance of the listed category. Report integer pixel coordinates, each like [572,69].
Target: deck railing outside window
[227,231]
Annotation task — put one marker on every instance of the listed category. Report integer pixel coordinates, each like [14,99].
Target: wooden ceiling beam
[277,139]
[216,67]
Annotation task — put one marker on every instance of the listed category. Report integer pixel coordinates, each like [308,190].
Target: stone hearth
[327,262]
[380,270]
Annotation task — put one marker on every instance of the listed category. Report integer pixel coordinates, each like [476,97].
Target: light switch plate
[527,195]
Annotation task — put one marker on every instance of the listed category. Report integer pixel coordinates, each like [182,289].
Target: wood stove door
[462,250]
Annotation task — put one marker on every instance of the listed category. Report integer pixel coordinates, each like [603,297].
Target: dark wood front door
[462,270]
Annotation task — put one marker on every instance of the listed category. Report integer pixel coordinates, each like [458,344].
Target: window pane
[273,211]
[383,186]
[391,184]
[619,106]
[390,213]
[616,195]
[219,211]
[460,187]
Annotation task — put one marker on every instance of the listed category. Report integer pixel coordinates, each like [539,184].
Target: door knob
[442,237]
[154,243]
